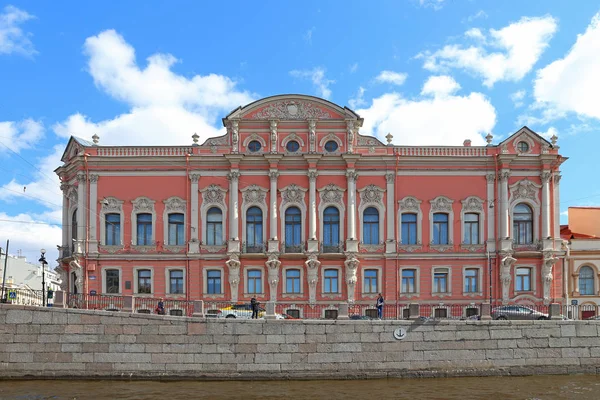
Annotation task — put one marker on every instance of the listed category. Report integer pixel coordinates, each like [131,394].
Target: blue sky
[428,71]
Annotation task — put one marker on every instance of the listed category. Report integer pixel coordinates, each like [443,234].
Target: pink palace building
[294,205]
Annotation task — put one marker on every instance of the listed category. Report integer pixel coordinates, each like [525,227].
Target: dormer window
[523,147]
[331,146]
[254,146]
[292,146]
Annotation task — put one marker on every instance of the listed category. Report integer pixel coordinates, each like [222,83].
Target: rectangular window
[471,222]
[144,229]
[440,281]
[112,281]
[523,282]
[254,281]
[408,280]
[330,284]
[213,282]
[176,223]
[471,280]
[112,229]
[370,281]
[440,228]
[176,281]
[409,229]
[144,281]
[292,281]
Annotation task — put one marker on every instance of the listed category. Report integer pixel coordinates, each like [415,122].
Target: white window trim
[103,274]
[366,204]
[289,137]
[450,212]
[284,279]
[448,270]
[379,281]
[533,279]
[260,203]
[205,281]
[103,211]
[258,138]
[403,209]
[417,292]
[479,291]
[168,281]
[340,281]
[72,210]
[135,281]
[262,279]
[472,205]
[586,263]
[535,208]
[207,204]
[173,205]
[331,136]
[301,206]
[342,213]
[138,209]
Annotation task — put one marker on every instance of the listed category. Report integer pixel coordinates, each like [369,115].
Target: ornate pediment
[525,189]
[254,194]
[175,204]
[143,204]
[472,204]
[292,109]
[371,194]
[332,194]
[111,204]
[213,195]
[441,203]
[292,194]
[410,203]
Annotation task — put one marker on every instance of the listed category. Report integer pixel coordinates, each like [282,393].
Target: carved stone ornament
[312,134]
[273,175]
[213,194]
[312,175]
[546,176]
[368,141]
[143,204]
[332,194]
[441,203]
[292,194]
[73,196]
[312,267]
[93,178]
[273,265]
[352,175]
[273,125]
[351,265]
[234,275]
[329,137]
[503,176]
[491,178]
[525,189]
[506,264]
[111,204]
[194,177]
[234,175]
[371,194]
[390,177]
[218,141]
[175,204]
[256,137]
[410,204]
[472,204]
[290,137]
[548,275]
[254,194]
[351,135]
[292,110]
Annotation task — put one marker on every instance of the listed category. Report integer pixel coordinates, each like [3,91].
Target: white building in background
[23,275]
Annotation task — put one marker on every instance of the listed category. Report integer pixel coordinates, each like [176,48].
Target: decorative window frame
[327,138]
[262,279]
[135,281]
[417,292]
[448,269]
[142,205]
[526,191]
[114,206]
[205,293]
[168,281]
[533,279]
[523,138]
[369,295]
[371,196]
[174,205]
[472,205]
[284,291]
[341,282]
[214,196]
[332,195]
[103,277]
[479,291]
[410,205]
[442,204]
[289,137]
[254,196]
[586,263]
[293,196]
[258,138]
[73,203]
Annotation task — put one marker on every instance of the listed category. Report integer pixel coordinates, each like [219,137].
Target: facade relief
[312,268]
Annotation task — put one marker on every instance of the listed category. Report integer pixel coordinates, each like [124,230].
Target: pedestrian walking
[160,308]
[254,305]
[379,305]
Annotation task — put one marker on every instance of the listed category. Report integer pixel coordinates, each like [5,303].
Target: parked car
[243,311]
[517,312]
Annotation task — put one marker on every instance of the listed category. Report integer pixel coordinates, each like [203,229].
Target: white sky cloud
[507,54]
[517,98]
[12,37]
[572,83]
[435,4]
[358,100]
[317,76]
[431,119]
[478,14]
[308,35]
[20,135]
[396,78]
[440,86]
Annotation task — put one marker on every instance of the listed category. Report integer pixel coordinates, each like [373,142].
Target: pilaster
[505,241]
[351,240]
[194,243]
[65,219]
[312,243]
[93,210]
[546,237]
[492,207]
[390,242]
[234,237]
[273,243]
[81,207]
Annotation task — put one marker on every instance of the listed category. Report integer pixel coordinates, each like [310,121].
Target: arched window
[409,228]
[440,228]
[214,227]
[371,226]
[586,281]
[144,230]
[254,230]
[73,230]
[176,222]
[331,230]
[293,226]
[522,224]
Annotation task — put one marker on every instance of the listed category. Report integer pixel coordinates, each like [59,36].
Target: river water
[575,387]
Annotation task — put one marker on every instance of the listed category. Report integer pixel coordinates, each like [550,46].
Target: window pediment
[292,194]
[143,204]
[371,194]
[472,204]
[410,204]
[175,204]
[111,204]
[332,194]
[441,204]
[213,195]
[254,194]
[525,189]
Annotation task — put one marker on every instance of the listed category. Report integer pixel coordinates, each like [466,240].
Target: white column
[65,218]
[233,176]
[273,202]
[352,177]
[194,178]
[93,245]
[556,233]
[312,199]
[81,208]
[504,175]
[391,178]
[546,176]
[491,207]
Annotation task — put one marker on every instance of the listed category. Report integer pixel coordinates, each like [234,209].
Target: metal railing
[332,247]
[293,248]
[253,248]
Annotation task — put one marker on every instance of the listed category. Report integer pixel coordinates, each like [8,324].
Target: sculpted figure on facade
[273,265]
[312,268]
[547,274]
[235,136]
[233,265]
[312,134]
[350,131]
[273,125]
[351,264]
[506,265]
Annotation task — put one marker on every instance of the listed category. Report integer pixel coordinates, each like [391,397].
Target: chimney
[467,143]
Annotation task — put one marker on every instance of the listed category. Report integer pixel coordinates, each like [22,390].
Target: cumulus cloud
[392,77]
[507,54]
[12,37]
[358,100]
[517,98]
[435,4]
[572,83]
[317,76]
[20,135]
[438,117]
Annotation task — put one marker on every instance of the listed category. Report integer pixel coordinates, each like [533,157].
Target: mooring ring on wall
[400,333]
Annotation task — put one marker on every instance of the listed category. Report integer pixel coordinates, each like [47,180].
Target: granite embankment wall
[55,343]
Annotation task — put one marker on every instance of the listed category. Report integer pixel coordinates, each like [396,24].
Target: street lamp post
[42,260]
